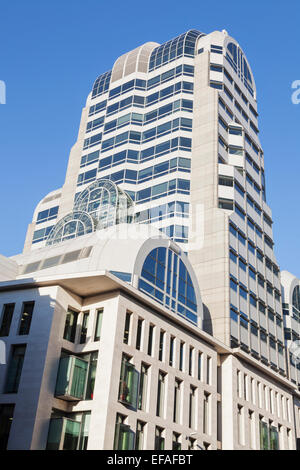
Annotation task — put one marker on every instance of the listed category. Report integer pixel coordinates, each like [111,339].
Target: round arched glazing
[296,298]
[165,277]
[72,225]
[183,45]
[238,62]
[106,203]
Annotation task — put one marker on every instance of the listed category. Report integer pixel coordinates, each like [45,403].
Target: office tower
[148,282]
[176,127]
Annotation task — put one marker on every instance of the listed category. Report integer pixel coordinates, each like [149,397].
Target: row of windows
[263,396]
[179,355]
[141,119]
[219,85]
[182,46]
[171,209]
[241,237]
[253,274]
[136,177]
[144,85]
[41,234]
[126,439]
[46,215]
[139,137]
[24,322]
[135,156]
[247,137]
[134,100]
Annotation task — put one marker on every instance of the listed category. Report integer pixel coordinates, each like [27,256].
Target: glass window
[159,439]
[70,326]
[6,418]
[84,327]
[128,383]
[139,333]
[127,327]
[98,324]
[143,387]
[160,394]
[71,378]
[15,368]
[26,317]
[7,314]
[124,437]
[139,436]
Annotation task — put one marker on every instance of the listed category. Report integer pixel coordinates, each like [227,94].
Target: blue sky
[52,51]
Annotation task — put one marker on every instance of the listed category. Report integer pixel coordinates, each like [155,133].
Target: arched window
[165,277]
[296,298]
[101,84]
[238,62]
[72,225]
[183,45]
[106,203]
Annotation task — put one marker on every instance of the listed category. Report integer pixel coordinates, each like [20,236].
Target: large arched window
[72,225]
[238,62]
[183,45]
[296,298]
[106,203]
[165,277]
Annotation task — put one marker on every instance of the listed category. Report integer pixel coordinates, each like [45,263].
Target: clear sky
[52,51]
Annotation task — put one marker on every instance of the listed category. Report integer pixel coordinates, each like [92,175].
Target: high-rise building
[150,278]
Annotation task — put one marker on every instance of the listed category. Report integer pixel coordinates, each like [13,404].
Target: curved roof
[133,61]
[120,249]
[183,45]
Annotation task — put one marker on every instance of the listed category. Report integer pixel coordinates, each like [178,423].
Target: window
[159,439]
[98,324]
[176,445]
[15,368]
[191,358]
[139,333]
[70,326]
[206,413]
[181,356]
[150,339]
[92,358]
[26,317]
[192,407]
[127,328]
[165,277]
[139,436]
[264,434]
[240,419]
[177,401]
[171,355]
[208,371]
[124,437]
[199,366]
[142,397]
[7,314]
[161,345]
[128,383]
[251,429]
[84,327]
[191,443]
[160,394]
[6,418]
[71,378]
